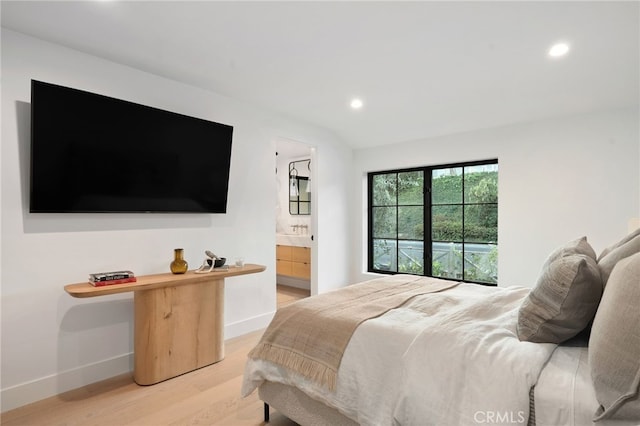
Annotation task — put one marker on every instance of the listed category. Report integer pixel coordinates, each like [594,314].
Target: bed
[424,351]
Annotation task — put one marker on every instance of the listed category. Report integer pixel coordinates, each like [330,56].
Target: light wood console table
[179,320]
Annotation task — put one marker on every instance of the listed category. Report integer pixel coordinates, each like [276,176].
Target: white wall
[558,180]
[52,342]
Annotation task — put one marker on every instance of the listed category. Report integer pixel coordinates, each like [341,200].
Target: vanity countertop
[293,240]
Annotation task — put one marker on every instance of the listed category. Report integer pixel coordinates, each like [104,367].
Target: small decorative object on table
[211,261]
[100,279]
[178,265]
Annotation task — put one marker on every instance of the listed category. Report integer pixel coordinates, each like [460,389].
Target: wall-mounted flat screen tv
[92,153]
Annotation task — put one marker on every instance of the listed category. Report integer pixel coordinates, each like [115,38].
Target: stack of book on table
[110,278]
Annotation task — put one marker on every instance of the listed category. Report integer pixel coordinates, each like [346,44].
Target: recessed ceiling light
[356,103]
[558,49]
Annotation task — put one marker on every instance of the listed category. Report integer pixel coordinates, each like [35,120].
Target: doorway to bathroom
[295,216]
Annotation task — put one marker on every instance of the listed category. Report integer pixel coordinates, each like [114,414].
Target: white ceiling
[422,68]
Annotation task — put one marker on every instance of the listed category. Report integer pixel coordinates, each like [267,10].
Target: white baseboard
[247,326]
[26,393]
[46,387]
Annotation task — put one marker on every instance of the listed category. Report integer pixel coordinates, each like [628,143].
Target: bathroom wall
[285,220]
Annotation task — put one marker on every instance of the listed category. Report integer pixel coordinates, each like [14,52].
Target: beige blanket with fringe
[310,336]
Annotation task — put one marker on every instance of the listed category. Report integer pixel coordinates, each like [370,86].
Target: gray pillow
[565,298]
[614,345]
[613,254]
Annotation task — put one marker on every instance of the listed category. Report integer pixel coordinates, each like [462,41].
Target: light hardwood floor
[288,295]
[208,396]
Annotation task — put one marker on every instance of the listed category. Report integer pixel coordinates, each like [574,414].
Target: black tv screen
[92,153]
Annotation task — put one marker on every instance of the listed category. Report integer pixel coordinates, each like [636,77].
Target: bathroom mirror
[299,187]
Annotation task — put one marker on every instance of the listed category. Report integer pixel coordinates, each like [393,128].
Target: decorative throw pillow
[614,345]
[565,298]
[613,254]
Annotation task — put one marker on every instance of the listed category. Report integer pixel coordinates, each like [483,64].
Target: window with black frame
[439,221]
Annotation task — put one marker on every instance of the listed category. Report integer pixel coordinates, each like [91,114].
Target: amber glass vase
[179,265]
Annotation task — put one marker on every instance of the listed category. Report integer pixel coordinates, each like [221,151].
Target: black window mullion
[397,226]
[427,238]
[463,228]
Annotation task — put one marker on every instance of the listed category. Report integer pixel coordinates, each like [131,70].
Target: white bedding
[564,394]
[373,381]
[470,367]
